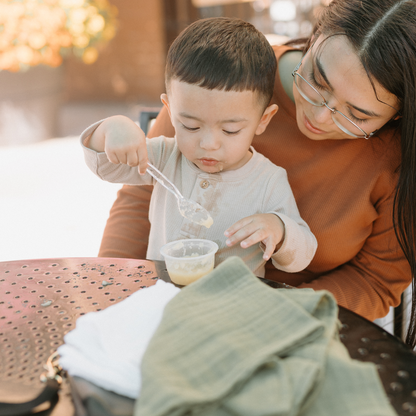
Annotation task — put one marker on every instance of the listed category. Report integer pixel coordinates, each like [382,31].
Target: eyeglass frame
[325,103]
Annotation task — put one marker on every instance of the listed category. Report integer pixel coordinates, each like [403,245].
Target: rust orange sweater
[344,190]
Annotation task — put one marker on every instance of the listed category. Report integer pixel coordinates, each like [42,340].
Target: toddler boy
[219,83]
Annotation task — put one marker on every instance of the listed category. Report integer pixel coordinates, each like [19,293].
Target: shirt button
[204,184]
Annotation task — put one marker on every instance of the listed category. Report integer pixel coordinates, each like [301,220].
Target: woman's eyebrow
[321,70]
[366,112]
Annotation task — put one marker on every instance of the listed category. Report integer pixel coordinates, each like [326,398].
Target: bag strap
[48,394]
[53,379]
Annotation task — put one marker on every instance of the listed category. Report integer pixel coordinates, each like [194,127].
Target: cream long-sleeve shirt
[257,187]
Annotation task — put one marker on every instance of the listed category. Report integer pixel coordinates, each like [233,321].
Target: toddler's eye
[190,128]
[231,132]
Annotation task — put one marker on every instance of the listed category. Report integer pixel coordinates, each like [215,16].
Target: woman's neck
[287,63]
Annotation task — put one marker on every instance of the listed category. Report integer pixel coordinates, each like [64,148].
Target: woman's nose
[322,115]
[210,141]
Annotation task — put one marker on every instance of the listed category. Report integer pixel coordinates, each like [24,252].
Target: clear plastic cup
[188,260]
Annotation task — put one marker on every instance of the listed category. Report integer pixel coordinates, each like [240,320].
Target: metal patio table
[41,299]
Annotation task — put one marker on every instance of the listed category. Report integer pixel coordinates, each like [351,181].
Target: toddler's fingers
[268,251]
[240,235]
[142,163]
[113,158]
[252,239]
[237,226]
[132,159]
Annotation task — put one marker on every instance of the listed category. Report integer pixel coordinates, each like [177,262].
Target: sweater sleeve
[127,230]
[99,164]
[298,248]
[373,280]
[299,245]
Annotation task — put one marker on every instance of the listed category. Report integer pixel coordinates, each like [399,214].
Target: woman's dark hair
[383,33]
[225,54]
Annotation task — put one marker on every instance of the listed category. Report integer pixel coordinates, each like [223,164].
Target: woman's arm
[127,230]
[374,279]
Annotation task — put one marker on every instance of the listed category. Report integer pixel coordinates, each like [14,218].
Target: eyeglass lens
[312,96]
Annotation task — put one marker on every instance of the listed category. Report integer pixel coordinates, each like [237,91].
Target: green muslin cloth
[230,345]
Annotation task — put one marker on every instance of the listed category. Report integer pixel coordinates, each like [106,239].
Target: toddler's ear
[165,100]
[269,112]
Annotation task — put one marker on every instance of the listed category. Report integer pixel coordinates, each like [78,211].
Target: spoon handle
[163,180]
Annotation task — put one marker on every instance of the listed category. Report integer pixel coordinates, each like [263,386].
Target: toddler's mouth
[208,162]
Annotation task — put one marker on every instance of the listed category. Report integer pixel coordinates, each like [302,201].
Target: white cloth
[106,347]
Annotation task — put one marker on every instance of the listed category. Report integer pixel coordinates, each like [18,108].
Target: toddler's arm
[287,240]
[122,140]
[279,229]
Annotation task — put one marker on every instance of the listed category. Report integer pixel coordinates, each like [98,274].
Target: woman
[346,134]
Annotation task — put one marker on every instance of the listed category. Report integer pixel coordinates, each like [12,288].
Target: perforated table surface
[40,301]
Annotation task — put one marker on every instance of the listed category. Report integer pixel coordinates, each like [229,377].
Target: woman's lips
[208,162]
[311,127]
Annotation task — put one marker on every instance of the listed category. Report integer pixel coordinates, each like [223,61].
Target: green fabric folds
[230,345]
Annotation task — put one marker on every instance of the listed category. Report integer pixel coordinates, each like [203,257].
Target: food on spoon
[195,212]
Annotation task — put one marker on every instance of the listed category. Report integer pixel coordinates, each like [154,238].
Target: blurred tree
[34,32]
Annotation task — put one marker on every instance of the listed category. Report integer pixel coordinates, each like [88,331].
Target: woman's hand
[122,140]
[268,229]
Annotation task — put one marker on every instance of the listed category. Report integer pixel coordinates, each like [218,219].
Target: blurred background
[67,63]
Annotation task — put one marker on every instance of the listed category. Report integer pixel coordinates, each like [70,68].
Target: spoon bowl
[189,209]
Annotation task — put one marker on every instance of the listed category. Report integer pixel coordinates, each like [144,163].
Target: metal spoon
[188,208]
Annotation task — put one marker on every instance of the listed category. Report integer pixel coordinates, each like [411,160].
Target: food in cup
[188,260]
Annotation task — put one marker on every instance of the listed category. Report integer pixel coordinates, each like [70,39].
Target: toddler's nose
[210,141]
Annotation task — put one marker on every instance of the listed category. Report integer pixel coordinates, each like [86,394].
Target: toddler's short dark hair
[225,54]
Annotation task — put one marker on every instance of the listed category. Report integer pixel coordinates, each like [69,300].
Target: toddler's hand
[266,228]
[122,140]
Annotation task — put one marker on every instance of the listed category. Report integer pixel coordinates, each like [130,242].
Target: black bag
[88,399]
[42,405]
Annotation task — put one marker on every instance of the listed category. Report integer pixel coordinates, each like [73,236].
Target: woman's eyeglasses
[313,96]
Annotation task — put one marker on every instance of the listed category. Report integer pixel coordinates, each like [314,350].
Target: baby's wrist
[96,140]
